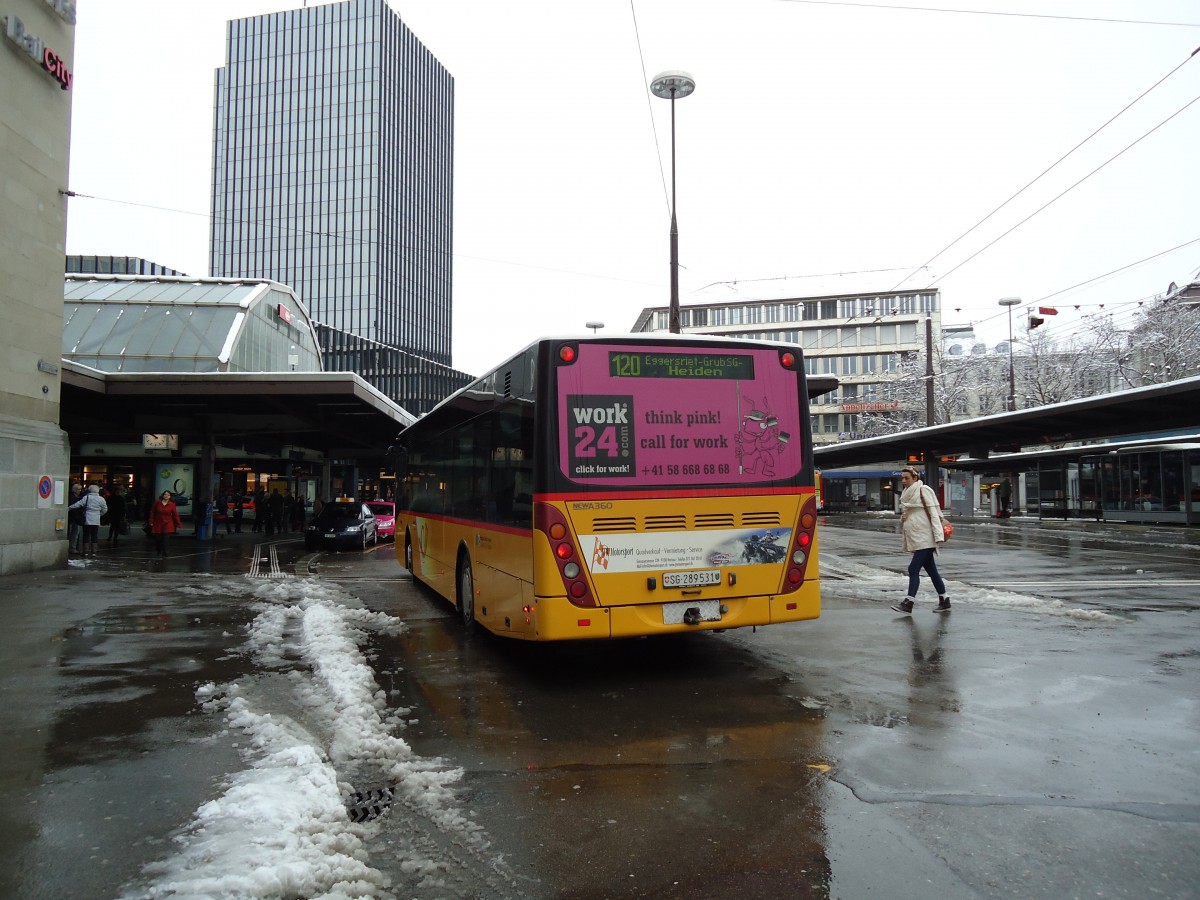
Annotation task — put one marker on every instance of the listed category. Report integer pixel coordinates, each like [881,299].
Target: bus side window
[512,463]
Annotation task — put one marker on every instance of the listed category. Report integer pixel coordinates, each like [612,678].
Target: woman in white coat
[921,524]
[93,506]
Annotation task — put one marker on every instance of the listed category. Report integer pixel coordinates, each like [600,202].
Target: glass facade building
[333,173]
[116,265]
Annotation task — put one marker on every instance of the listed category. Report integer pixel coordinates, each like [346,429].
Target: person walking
[75,516]
[93,507]
[238,512]
[275,512]
[117,513]
[921,525]
[261,513]
[288,516]
[1006,498]
[164,521]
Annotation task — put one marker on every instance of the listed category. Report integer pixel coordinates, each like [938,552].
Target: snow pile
[319,729]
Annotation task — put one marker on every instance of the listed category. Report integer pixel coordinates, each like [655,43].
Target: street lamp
[673,85]
[595,326]
[1011,405]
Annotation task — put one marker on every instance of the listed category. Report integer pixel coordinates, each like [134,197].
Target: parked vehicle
[385,518]
[350,526]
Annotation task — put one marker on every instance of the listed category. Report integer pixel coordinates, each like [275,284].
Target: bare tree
[1166,341]
[1162,344]
[1054,370]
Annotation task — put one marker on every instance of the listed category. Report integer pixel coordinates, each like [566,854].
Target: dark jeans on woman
[160,544]
[924,559]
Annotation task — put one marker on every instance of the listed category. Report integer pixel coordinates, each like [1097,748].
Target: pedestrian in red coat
[164,521]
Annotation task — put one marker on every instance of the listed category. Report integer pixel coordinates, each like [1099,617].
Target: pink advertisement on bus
[678,415]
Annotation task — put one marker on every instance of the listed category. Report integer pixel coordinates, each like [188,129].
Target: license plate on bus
[705,611]
[697,578]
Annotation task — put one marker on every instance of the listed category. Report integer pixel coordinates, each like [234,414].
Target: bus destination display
[623,364]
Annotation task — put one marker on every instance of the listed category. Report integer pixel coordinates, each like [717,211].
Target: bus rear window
[675,415]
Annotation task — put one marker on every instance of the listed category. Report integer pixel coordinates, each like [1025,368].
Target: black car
[341,526]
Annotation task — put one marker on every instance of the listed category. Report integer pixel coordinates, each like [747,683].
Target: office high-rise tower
[333,173]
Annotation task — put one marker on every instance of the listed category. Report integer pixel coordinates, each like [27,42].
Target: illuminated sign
[622,364]
[870,407]
[14,30]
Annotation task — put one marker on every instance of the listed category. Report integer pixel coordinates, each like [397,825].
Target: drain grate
[370,804]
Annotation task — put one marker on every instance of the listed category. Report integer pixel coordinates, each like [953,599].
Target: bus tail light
[802,540]
[550,521]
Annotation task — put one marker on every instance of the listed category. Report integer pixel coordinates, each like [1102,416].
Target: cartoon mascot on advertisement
[760,441]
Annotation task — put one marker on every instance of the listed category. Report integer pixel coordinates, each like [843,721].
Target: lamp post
[595,326]
[1011,405]
[673,85]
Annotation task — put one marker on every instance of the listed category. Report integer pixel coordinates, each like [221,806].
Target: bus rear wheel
[466,595]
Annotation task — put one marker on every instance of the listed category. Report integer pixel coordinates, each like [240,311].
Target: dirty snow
[313,727]
[846,579]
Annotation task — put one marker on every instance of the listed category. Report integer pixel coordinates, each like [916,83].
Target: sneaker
[905,606]
[943,605]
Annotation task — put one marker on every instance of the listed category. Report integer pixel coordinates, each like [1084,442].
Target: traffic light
[1043,311]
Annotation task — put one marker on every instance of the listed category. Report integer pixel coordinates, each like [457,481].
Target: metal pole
[1012,379]
[932,475]
[674,309]
[671,86]
[1011,404]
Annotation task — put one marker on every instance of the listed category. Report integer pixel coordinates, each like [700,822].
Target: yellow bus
[605,487]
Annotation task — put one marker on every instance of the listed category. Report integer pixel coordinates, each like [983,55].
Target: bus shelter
[1155,483]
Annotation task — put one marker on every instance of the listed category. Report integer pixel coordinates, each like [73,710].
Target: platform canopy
[335,413]
[1154,410]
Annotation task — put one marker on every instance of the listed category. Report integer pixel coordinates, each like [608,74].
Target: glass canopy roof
[121,323]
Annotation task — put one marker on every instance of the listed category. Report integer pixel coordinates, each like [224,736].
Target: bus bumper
[557,619]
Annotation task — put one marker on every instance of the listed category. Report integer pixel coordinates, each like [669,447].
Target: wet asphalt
[999,752]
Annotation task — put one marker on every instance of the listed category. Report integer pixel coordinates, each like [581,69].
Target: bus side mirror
[398,458]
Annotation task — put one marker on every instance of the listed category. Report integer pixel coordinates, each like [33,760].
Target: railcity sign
[35,47]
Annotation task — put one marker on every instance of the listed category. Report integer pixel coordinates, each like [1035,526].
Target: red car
[247,510]
[385,518]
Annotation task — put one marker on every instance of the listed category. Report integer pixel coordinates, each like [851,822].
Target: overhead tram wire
[811,275]
[989,12]
[1121,269]
[1052,166]
[1120,307]
[306,232]
[1063,193]
[649,109]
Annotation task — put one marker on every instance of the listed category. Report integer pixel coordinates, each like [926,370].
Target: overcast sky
[829,148]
